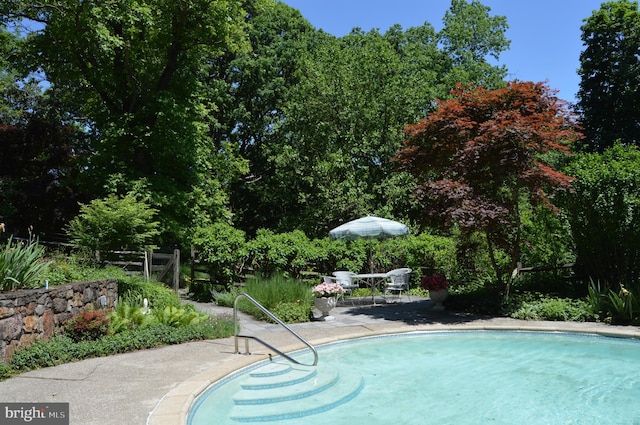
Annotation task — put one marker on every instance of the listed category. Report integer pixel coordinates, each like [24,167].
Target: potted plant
[437,285]
[326,295]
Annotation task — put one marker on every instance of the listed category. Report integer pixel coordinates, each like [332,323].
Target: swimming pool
[461,378]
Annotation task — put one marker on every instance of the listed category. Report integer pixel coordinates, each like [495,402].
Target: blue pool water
[440,378]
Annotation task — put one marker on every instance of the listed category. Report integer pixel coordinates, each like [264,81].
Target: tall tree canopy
[327,160]
[132,69]
[609,95]
[239,110]
[255,88]
[38,174]
[40,161]
[469,37]
[481,153]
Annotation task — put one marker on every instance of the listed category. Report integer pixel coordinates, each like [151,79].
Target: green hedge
[293,253]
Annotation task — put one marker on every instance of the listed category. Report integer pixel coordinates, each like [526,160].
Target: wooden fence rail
[164,267]
[519,269]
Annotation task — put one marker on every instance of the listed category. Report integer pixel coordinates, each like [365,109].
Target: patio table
[372,280]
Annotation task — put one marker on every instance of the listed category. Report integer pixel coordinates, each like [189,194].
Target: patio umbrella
[369,227]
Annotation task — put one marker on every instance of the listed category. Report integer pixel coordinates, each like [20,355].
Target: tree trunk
[492,256]
[514,255]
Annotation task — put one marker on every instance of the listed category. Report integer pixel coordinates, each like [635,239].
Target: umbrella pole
[370,242]
[370,258]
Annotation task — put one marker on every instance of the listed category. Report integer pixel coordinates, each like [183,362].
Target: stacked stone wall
[30,315]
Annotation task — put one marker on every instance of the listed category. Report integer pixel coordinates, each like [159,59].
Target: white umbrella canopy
[369,227]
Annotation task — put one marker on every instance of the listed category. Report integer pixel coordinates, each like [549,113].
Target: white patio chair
[345,279]
[398,281]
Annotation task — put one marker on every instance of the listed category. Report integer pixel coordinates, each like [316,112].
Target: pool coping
[173,407]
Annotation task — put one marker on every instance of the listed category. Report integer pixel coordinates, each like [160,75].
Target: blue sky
[544,34]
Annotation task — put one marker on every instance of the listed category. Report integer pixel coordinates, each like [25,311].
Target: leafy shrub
[290,252]
[547,237]
[293,252]
[134,289]
[365,292]
[598,300]
[437,254]
[6,371]
[21,265]
[88,325]
[226,299]
[278,289]
[223,248]
[624,306]
[179,317]
[474,265]
[63,270]
[418,292]
[47,353]
[352,256]
[610,306]
[290,312]
[128,316]
[114,223]
[533,307]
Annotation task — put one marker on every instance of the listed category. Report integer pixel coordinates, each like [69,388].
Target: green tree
[254,88]
[134,68]
[294,132]
[9,48]
[39,173]
[330,157]
[604,214]
[354,95]
[478,156]
[608,97]
[469,37]
[40,168]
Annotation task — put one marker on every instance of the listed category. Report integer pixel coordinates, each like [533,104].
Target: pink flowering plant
[327,289]
[434,282]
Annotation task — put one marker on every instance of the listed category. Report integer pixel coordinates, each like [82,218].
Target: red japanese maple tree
[481,151]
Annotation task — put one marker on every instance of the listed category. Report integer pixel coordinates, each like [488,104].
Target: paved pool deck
[158,386]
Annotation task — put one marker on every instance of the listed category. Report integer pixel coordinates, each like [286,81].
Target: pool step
[294,376]
[282,391]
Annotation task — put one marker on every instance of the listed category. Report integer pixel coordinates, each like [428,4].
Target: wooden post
[176,269]
[146,266]
[193,264]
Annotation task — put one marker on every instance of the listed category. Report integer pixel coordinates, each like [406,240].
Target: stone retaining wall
[32,314]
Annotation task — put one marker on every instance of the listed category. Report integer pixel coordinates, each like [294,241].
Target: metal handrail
[236,330]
